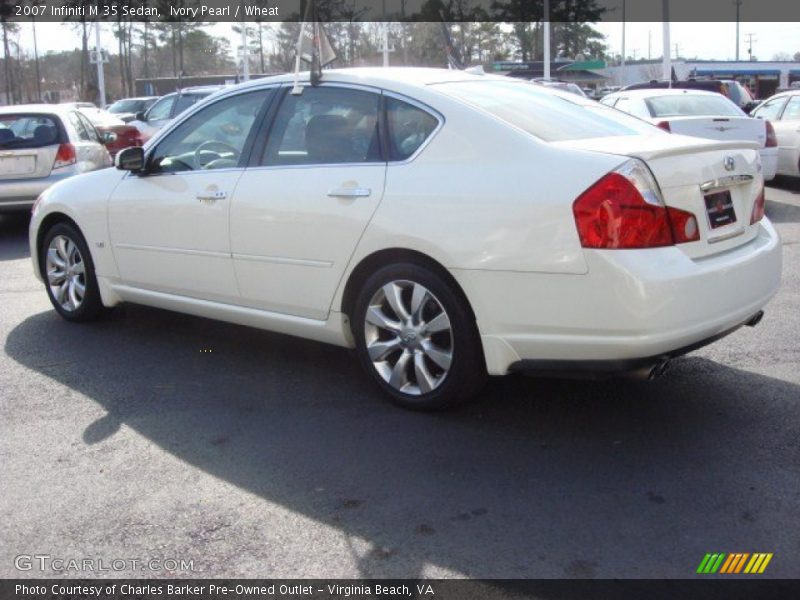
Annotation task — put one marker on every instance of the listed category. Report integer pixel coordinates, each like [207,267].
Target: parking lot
[156,435]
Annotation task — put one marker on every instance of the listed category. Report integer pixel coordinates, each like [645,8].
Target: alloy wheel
[66,273]
[408,337]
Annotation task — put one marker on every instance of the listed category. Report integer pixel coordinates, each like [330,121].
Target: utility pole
[245,49]
[547,39]
[677,52]
[649,44]
[738,4]
[666,63]
[385,31]
[750,41]
[101,80]
[622,62]
[36,60]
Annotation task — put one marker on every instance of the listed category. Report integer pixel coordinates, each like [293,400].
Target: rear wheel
[69,274]
[417,339]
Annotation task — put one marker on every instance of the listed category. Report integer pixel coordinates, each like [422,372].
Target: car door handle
[211,196]
[354,192]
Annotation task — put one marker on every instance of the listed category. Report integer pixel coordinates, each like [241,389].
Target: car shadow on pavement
[14,235]
[536,478]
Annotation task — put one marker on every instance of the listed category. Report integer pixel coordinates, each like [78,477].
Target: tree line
[144,50]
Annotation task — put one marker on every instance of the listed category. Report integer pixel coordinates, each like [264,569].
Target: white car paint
[483,198]
[734,124]
[784,114]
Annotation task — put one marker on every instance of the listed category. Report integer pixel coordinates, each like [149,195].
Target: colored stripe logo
[736,562]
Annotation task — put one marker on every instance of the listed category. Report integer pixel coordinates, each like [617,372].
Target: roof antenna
[312,47]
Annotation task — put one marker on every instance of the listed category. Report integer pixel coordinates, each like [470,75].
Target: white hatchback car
[702,114]
[445,225]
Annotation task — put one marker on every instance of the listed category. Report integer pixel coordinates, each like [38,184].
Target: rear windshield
[692,105]
[28,131]
[550,116]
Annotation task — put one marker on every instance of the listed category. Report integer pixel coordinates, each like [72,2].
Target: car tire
[68,272]
[417,338]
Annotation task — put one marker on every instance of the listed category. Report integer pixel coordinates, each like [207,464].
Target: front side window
[409,127]
[161,109]
[80,129]
[90,128]
[770,109]
[325,125]
[212,138]
[184,101]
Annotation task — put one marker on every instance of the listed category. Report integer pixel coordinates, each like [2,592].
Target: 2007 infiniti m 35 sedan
[445,225]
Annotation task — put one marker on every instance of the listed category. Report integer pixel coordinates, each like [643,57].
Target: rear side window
[549,116]
[409,127]
[325,125]
[80,129]
[692,105]
[29,131]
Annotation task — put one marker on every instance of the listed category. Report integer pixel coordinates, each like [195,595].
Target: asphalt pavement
[154,435]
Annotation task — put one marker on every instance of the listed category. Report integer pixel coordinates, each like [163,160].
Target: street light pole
[547,39]
[666,63]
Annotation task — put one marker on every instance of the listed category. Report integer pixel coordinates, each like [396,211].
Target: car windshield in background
[28,131]
[550,116]
[127,106]
[692,105]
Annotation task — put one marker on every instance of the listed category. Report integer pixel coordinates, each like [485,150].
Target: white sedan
[445,225]
[702,114]
[783,110]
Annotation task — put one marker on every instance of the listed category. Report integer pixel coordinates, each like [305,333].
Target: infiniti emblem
[730,164]
[409,337]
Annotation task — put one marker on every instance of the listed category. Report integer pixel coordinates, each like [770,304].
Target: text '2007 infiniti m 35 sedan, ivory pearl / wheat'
[445,225]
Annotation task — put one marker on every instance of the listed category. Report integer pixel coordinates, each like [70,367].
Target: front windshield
[126,106]
[550,116]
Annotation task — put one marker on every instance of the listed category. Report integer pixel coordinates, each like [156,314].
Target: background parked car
[41,144]
[126,109]
[564,86]
[114,134]
[701,114]
[168,107]
[730,88]
[783,110]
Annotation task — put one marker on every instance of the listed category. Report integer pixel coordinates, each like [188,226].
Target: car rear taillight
[624,209]
[772,139]
[758,208]
[65,156]
[665,126]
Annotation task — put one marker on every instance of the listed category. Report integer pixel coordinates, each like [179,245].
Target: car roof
[38,109]
[650,92]
[378,76]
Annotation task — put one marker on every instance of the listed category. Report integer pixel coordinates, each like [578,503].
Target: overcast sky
[702,40]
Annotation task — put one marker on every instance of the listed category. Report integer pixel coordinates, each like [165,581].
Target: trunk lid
[718,181]
[720,128]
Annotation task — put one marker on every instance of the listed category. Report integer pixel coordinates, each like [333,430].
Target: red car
[115,134]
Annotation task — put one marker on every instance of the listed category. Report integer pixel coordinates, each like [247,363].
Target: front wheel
[69,274]
[417,339]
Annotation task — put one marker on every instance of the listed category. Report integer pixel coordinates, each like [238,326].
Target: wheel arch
[387,256]
[48,222]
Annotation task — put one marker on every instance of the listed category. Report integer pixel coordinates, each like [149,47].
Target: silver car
[41,144]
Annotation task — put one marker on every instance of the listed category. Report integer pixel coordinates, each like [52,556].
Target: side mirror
[130,159]
[108,137]
[140,116]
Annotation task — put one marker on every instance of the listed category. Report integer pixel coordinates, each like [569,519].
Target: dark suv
[730,88]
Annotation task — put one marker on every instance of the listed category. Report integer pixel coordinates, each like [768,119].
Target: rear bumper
[20,194]
[632,305]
